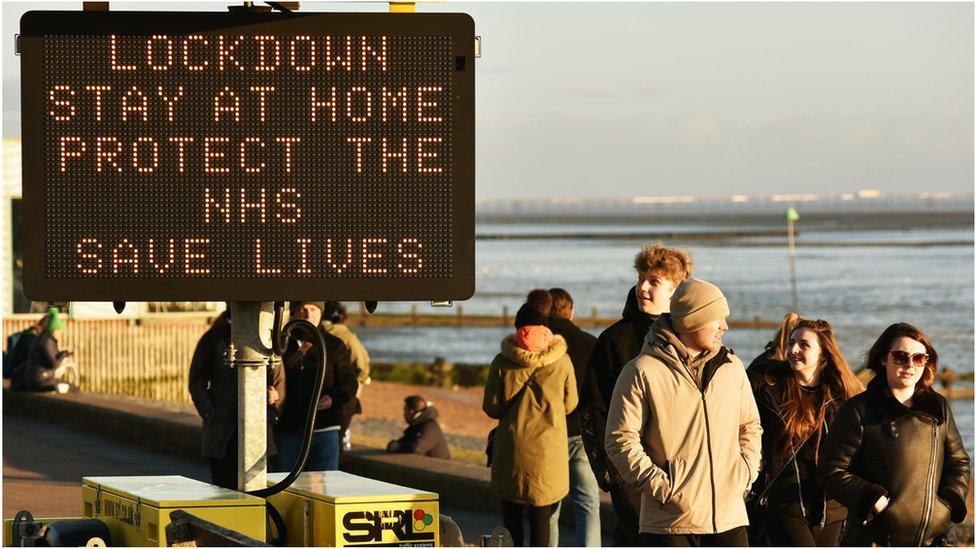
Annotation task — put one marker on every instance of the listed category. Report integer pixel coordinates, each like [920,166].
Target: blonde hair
[672,263]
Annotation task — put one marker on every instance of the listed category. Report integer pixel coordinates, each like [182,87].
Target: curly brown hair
[674,264]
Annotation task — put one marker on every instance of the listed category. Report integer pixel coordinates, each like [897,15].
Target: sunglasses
[901,358]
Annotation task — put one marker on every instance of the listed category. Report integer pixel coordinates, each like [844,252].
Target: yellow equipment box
[337,509]
[137,509]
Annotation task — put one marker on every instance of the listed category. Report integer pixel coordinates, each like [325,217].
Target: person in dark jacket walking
[300,361]
[46,357]
[423,434]
[659,272]
[797,400]
[894,456]
[583,489]
[213,389]
[18,352]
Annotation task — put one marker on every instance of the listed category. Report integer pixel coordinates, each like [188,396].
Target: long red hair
[837,379]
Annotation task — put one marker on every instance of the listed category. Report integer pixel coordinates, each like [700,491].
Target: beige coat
[529,463]
[692,453]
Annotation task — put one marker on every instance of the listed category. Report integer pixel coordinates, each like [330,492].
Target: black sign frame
[35,25]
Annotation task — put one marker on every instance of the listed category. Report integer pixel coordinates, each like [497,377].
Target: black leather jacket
[914,456]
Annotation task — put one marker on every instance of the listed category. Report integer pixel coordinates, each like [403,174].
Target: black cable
[281,341]
[279,6]
[279,525]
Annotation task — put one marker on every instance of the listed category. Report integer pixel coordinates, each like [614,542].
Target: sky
[577,100]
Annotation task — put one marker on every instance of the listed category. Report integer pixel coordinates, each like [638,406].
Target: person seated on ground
[45,359]
[423,434]
[18,351]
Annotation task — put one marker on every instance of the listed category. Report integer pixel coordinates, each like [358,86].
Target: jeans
[585,495]
[322,456]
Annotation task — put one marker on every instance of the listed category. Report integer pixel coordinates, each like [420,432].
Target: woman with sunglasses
[797,400]
[894,456]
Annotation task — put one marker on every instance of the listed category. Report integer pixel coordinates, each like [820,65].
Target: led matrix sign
[248,157]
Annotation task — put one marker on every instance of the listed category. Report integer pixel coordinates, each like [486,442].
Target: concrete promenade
[175,430]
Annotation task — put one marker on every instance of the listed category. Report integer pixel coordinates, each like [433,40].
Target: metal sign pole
[250,331]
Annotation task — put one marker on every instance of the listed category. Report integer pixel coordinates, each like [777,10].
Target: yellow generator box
[137,509]
[337,509]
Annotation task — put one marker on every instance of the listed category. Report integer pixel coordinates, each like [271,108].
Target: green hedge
[437,374]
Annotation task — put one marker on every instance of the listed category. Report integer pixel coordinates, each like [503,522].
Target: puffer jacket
[914,456]
[529,464]
[615,347]
[795,492]
[691,447]
[424,436]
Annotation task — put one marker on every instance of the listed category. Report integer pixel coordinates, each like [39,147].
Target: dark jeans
[626,503]
[797,532]
[223,471]
[736,537]
[538,523]
[322,456]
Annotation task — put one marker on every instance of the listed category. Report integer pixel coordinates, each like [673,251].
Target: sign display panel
[248,156]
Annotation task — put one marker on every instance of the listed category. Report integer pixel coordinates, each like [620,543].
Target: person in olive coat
[894,456]
[530,389]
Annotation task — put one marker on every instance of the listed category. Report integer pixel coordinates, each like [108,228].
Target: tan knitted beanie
[696,303]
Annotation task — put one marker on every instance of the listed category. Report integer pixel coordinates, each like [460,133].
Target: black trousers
[797,532]
[626,503]
[223,471]
[736,537]
[538,523]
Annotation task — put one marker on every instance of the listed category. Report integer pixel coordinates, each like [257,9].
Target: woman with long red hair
[797,400]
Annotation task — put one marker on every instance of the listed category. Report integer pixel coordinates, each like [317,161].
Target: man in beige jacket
[683,427]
